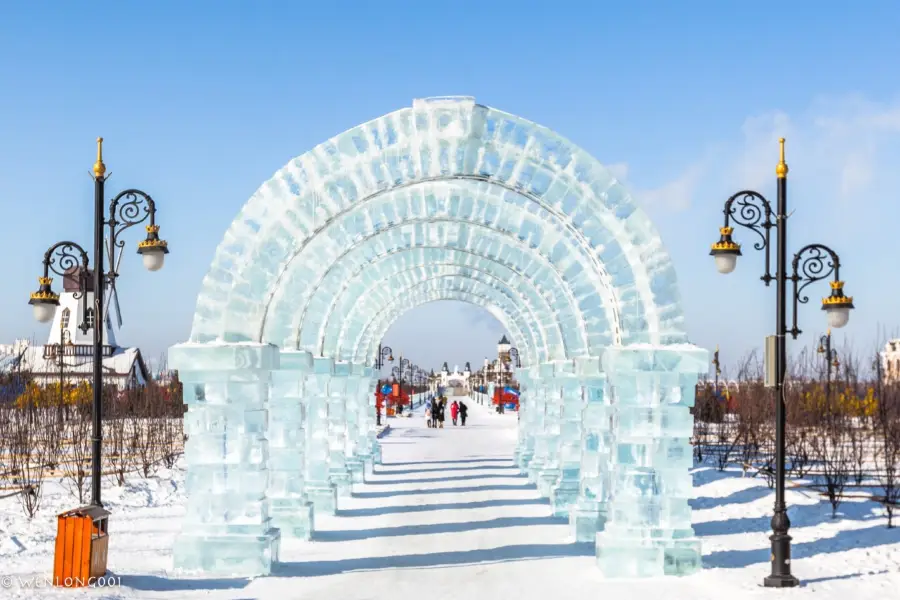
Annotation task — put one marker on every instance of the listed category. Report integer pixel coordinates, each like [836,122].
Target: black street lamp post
[514,357]
[384,352]
[718,371]
[68,259]
[831,360]
[814,262]
[398,371]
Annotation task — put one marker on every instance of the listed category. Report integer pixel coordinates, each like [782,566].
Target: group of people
[435,412]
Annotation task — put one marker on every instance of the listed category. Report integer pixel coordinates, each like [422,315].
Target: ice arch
[445,200]
[447,158]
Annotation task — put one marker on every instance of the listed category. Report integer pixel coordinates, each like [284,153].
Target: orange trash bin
[82,541]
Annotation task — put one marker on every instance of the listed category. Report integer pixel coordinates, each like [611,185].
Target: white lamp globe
[153,261]
[725,263]
[43,311]
[838,316]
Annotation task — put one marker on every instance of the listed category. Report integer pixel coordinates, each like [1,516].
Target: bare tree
[887,458]
[830,450]
[116,439]
[76,466]
[28,458]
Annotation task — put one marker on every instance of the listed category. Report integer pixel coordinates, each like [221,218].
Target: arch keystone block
[227,529]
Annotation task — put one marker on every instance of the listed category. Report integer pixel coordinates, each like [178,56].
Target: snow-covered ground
[448,516]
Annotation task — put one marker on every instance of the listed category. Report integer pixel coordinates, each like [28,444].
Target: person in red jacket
[454,411]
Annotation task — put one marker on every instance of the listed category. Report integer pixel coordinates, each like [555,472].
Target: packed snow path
[447,516]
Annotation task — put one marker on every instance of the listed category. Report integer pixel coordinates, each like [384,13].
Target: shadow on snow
[446,490]
[433,529]
[434,560]
[417,508]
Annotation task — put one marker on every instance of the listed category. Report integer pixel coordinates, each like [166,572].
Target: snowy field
[448,517]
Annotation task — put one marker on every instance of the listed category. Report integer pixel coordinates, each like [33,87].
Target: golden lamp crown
[45,280]
[726,230]
[152,228]
[836,285]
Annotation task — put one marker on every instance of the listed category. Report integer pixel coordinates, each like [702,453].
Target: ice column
[525,442]
[338,391]
[291,512]
[362,422]
[355,441]
[550,470]
[319,489]
[565,489]
[536,420]
[588,516]
[649,528]
[373,445]
[226,530]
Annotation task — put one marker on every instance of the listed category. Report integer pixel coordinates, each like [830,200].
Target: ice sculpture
[649,528]
[227,529]
[447,199]
[291,512]
[320,489]
[565,490]
[338,390]
[588,516]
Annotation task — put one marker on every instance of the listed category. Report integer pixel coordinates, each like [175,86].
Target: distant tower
[66,328]
[503,348]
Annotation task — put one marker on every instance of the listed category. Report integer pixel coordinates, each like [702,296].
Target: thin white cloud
[843,144]
[676,195]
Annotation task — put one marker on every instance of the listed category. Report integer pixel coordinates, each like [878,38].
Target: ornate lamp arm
[61,258]
[816,262]
[752,211]
[131,207]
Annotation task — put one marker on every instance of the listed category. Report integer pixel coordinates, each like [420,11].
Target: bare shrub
[830,448]
[887,458]
[76,464]
[28,457]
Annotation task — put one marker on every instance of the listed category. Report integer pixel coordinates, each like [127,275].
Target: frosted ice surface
[445,200]
[427,176]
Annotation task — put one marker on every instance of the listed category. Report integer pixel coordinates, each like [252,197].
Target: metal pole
[828,360]
[97,407]
[781,542]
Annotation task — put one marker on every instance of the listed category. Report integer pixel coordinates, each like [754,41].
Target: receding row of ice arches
[447,200]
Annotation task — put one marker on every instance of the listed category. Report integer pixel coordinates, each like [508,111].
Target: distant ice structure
[448,199]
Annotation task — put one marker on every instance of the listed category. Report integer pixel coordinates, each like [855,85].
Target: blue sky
[201,102]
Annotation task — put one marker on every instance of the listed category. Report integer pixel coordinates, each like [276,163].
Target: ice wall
[227,528]
[648,532]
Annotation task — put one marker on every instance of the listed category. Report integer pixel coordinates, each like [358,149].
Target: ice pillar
[536,419]
[588,516]
[565,489]
[649,528]
[226,529]
[525,442]
[550,471]
[356,447]
[291,512]
[339,388]
[319,488]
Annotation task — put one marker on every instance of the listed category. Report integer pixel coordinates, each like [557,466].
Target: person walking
[441,413]
[454,412]
[463,413]
[428,408]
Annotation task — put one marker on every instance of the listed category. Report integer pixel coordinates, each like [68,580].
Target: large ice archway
[448,199]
